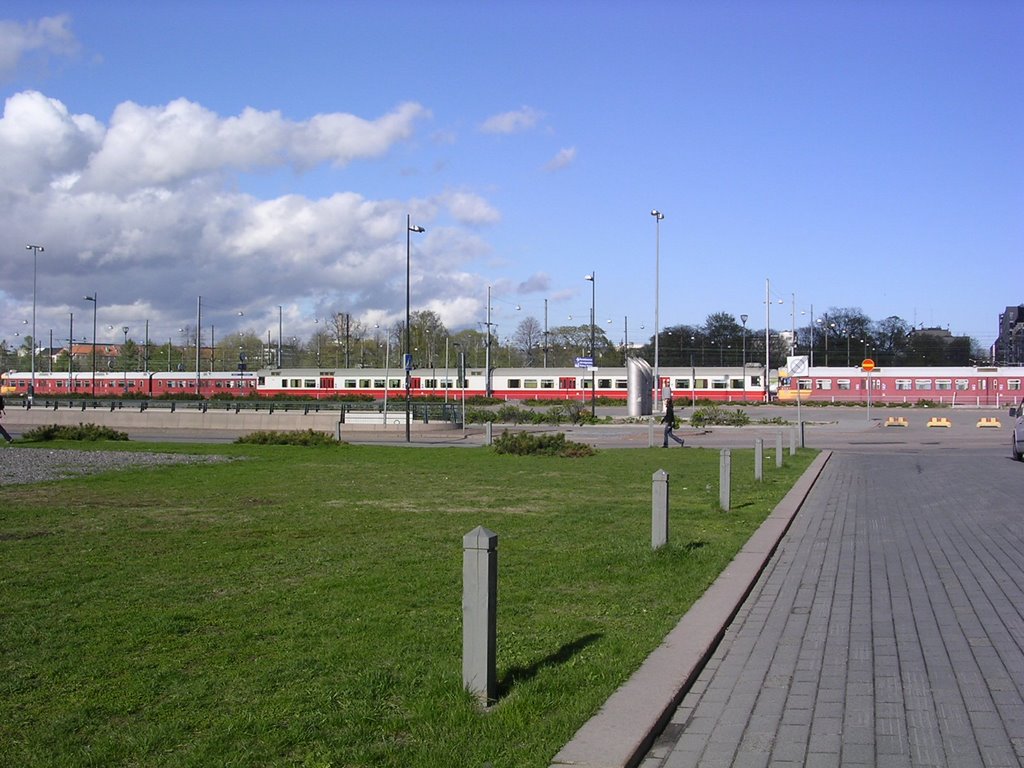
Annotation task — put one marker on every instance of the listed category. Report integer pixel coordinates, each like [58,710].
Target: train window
[943,384]
[718,383]
[309,383]
[964,384]
[430,383]
[529,384]
[902,385]
[350,383]
[682,384]
[700,383]
[585,383]
[1010,383]
[514,384]
[262,380]
[378,383]
[755,381]
[843,384]
[621,384]
[547,383]
[804,384]
[823,384]
[284,383]
[735,383]
[363,383]
[604,383]
[922,384]
[394,383]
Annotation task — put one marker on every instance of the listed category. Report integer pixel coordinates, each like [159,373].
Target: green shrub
[716,415]
[68,432]
[296,437]
[526,444]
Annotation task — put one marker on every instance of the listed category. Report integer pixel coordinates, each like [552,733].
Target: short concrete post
[724,478]
[480,613]
[659,509]
[778,450]
[759,459]
[792,441]
[488,433]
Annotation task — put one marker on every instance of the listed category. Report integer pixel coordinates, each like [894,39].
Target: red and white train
[724,384]
[968,386]
[981,386]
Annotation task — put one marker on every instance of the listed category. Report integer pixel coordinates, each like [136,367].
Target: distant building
[1009,346]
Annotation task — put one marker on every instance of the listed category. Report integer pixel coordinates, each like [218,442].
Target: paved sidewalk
[888,629]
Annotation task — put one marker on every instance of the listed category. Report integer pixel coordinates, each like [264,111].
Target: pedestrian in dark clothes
[3,432]
[669,420]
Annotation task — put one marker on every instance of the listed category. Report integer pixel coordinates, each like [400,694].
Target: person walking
[669,420]
[3,432]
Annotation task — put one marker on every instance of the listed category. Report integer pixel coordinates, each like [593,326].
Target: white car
[1017,436]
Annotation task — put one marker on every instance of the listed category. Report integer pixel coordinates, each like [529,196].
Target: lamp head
[657,214]
[416,228]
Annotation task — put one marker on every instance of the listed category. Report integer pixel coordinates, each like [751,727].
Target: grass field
[302,606]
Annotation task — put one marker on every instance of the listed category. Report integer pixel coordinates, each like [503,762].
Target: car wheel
[1017,455]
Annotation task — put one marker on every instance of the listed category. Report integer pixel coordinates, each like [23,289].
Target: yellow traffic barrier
[896,421]
[989,421]
[939,421]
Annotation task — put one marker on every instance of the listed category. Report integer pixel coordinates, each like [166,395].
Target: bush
[81,432]
[297,437]
[525,444]
[716,415]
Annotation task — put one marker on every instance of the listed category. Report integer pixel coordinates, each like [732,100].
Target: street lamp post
[409,229]
[743,319]
[95,304]
[124,354]
[592,278]
[658,216]
[36,250]
[280,333]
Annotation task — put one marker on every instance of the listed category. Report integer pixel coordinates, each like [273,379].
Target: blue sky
[855,154]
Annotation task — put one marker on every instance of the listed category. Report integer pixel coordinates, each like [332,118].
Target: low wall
[131,419]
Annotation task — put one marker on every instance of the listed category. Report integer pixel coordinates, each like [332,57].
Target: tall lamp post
[592,278]
[95,304]
[409,229]
[658,216]
[743,318]
[36,250]
[280,333]
[124,354]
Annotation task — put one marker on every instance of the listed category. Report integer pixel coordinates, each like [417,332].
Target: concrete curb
[623,730]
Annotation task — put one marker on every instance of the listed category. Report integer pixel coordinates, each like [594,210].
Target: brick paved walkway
[887,630]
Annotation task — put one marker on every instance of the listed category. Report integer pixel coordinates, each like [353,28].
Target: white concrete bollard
[659,509]
[480,613]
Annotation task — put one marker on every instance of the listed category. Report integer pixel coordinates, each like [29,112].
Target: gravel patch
[39,465]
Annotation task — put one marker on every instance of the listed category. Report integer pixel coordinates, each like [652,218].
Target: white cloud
[147,206]
[51,35]
[522,119]
[176,142]
[469,208]
[563,159]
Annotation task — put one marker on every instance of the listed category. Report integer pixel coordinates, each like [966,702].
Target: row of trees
[839,337]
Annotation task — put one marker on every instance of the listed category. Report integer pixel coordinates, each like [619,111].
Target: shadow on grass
[516,675]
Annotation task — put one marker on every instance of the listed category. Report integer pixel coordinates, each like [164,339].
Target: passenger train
[724,384]
[981,386]
[968,386]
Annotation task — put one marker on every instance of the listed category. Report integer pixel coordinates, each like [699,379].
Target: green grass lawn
[303,606]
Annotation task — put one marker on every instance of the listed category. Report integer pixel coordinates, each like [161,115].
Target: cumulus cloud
[563,159]
[469,208]
[517,121]
[148,205]
[167,144]
[536,283]
[50,35]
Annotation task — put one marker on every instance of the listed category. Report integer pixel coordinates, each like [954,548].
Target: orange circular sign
[868,364]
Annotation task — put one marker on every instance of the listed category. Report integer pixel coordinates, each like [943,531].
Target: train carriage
[981,386]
